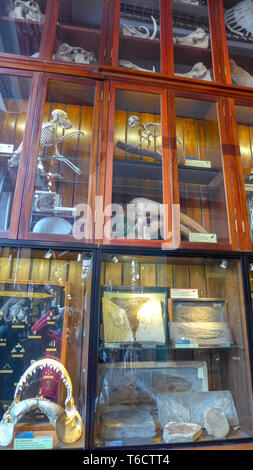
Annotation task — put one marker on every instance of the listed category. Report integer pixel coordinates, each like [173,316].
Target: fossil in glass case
[239,75]
[68,53]
[198,71]
[130,65]
[141,31]
[197,38]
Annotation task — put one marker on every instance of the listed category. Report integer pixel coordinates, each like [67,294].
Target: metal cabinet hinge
[236,225]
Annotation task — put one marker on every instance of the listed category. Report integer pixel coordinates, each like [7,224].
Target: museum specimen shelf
[126,219]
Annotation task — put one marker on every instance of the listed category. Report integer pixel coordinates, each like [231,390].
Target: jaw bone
[67,421]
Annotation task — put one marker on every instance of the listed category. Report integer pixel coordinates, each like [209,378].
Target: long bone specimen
[67,421]
[198,71]
[129,65]
[239,19]
[130,30]
[191,2]
[197,38]
[48,138]
[29,10]
[239,75]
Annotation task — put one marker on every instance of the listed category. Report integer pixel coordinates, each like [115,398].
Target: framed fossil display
[33,323]
[134,315]
[199,322]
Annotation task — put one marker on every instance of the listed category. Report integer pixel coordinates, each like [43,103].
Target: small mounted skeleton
[129,65]
[147,132]
[130,30]
[28,10]
[239,19]
[197,38]
[48,138]
[198,71]
[68,53]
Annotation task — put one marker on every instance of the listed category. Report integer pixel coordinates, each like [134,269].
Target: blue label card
[38,443]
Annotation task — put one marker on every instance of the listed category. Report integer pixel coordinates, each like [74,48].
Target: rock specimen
[201,333]
[193,312]
[216,423]
[181,432]
[239,75]
[190,407]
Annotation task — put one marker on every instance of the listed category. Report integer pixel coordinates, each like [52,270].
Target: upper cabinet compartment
[139,42]
[191,39]
[238,15]
[21,25]
[78,32]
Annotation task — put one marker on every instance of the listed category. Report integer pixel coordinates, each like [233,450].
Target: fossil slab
[125,422]
[216,423]
[133,319]
[181,432]
[201,333]
[197,38]
[190,407]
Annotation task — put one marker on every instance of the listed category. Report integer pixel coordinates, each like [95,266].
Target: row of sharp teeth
[27,377]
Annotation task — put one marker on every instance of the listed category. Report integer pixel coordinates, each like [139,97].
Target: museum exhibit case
[126,224]
[172,349]
[44,329]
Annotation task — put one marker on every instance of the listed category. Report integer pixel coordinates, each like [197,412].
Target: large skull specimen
[67,421]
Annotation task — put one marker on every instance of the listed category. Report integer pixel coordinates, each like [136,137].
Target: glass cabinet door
[136,191]
[203,212]
[14,98]
[44,329]
[192,41]
[173,359]
[238,16]
[139,42]
[62,181]
[21,25]
[244,117]
[78,32]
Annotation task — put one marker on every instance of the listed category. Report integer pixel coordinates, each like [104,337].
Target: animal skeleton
[239,75]
[129,65]
[198,71]
[67,421]
[146,131]
[68,53]
[197,38]
[48,137]
[28,10]
[130,30]
[239,19]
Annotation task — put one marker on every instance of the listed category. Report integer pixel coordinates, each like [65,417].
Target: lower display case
[173,358]
[44,329]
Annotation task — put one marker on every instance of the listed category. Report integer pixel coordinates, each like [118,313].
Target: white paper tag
[202,237]
[6,148]
[184,293]
[198,163]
